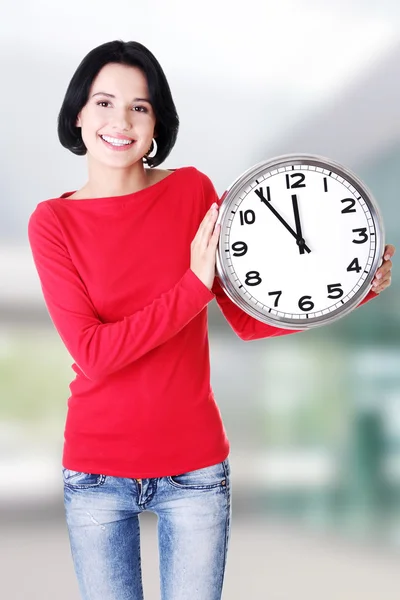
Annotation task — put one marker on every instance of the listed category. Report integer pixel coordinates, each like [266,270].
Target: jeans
[193,514]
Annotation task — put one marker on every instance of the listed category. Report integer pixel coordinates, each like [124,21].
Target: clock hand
[278,216]
[300,239]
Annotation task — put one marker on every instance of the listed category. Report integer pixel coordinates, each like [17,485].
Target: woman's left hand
[383,276]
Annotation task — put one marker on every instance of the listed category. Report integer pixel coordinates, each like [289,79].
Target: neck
[106,181]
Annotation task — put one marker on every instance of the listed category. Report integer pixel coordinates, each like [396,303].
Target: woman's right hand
[203,248]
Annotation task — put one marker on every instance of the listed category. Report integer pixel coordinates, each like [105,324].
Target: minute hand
[278,216]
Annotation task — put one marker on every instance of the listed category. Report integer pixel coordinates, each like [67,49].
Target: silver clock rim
[316,160]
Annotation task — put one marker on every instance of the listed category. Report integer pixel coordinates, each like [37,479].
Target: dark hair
[125,53]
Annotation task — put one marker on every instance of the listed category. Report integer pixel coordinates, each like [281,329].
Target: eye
[143,109]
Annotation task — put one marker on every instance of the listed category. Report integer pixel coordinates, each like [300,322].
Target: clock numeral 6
[335,287]
[253,275]
[240,248]
[363,233]
[248,217]
[297,184]
[305,303]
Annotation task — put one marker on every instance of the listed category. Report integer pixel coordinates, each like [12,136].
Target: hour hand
[300,240]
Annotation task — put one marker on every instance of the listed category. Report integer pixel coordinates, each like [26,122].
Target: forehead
[116,77]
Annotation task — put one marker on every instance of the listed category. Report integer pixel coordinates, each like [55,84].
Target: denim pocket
[79,479]
[203,479]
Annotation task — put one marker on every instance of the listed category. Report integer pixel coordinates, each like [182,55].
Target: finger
[215,236]
[209,213]
[382,284]
[384,269]
[204,230]
[389,251]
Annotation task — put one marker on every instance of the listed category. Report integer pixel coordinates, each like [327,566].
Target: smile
[117,144]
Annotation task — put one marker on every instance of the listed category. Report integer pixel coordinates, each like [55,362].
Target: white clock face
[298,242]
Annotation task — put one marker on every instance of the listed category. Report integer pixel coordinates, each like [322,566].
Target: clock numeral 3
[335,287]
[277,298]
[363,233]
[350,208]
[240,248]
[354,266]
[305,303]
[253,275]
[248,217]
[296,184]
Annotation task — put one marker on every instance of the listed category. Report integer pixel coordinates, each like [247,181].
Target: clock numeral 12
[297,184]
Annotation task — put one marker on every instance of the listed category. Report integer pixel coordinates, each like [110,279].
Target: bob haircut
[125,53]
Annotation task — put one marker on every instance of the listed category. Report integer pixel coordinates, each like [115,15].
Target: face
[118,106]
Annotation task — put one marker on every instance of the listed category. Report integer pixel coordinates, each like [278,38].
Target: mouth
[117,143]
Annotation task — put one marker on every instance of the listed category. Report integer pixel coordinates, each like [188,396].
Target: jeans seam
[140,562]
[227,526]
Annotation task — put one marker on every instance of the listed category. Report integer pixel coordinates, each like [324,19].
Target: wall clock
[301,239]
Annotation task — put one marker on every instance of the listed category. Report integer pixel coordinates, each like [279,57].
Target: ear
[78,121]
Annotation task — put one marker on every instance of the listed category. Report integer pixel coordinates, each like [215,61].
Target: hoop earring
[153,147]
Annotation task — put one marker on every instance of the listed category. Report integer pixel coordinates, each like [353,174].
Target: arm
[98,348]
[245,326]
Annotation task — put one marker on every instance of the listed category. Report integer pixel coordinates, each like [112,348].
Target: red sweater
[116,280]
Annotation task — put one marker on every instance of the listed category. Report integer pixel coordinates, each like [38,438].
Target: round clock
[301,239]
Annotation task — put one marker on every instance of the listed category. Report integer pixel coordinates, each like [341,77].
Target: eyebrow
[112,96]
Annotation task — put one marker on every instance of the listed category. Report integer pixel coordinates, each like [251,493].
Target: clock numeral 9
[248,217]
[240,248]
[363,232]
[335,287]
[253,275]
[350,208]
[296,184]
[305,303]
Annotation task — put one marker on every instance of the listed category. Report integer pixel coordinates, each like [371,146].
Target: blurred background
[314,419]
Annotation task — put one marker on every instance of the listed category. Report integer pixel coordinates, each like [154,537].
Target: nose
[122,120]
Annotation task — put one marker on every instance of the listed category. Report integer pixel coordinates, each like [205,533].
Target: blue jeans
[194,516]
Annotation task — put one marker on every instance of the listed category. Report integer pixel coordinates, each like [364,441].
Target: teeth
[115,141]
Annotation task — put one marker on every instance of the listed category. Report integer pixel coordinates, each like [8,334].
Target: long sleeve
[98,348]
[244,325]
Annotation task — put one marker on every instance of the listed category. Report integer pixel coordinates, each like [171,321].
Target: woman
[127,269]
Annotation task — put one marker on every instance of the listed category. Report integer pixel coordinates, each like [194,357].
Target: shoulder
[197,178]
[42,221]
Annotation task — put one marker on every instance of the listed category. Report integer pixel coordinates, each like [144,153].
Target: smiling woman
[127,272]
